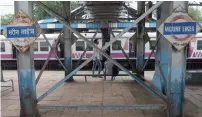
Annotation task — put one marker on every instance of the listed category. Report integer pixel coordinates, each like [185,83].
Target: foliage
[195,13]
[39,13]
[6,19]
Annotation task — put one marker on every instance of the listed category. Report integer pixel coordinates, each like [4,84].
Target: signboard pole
[140,41]
[26,72]
[176,75]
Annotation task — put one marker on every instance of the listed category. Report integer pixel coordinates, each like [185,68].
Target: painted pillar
[162,48]
[67,42]
[176,73]
[106,38]
[26,72]
[140,42]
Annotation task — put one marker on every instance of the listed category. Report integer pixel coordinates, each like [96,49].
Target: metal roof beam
[106,19]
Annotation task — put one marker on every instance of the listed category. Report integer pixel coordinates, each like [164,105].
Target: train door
[89,51]
[79,48]
[132,49]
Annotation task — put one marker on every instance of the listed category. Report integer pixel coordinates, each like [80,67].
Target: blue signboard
[179,28]
[21,31]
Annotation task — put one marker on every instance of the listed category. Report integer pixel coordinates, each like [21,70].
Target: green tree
[6,19]
[195,13]
[39,13]
[74,5]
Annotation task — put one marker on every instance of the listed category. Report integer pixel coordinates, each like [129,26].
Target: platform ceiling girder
[194,3]
[78,12]
[107,10]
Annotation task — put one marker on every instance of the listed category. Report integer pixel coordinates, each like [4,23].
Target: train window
[80,46]
[3,47]
[89,48]
[43,46]
[35,46]
[199,45]
[116,45]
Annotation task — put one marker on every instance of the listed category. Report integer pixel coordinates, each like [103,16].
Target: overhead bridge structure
[169,79]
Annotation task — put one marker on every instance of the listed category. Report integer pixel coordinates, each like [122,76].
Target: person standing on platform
[97,59]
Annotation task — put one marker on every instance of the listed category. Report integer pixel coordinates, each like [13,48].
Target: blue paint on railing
[74,25]
[48,20]
[43,25]
[58,25]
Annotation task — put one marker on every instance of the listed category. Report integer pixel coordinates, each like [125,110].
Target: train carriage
[41,50]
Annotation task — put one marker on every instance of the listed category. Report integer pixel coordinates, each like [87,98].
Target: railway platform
[123,91]
[55,93]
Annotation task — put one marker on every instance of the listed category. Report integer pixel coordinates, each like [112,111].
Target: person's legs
[99,67]
[94,66]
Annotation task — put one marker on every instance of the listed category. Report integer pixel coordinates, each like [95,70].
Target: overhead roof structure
[194,3]
[114,11]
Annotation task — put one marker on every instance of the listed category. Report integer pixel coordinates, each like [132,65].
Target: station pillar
[26,71]
[67,42]
[106,38]
[162,49]
[140,50]
[176,73]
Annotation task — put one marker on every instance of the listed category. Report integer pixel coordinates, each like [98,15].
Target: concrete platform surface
[124,91]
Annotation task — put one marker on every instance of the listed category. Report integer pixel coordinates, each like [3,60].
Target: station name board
[179,28]
[21,31]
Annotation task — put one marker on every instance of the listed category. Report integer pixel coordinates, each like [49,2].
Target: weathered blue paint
[27,91]
[138,107]
[68,64]
[158,81]
[176,91]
